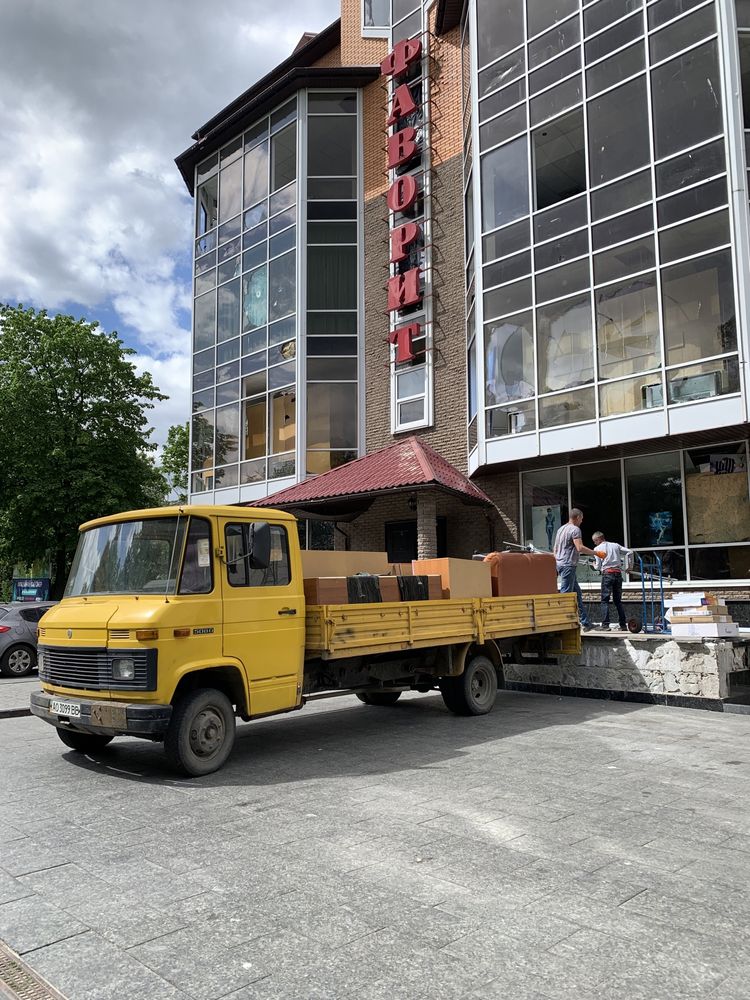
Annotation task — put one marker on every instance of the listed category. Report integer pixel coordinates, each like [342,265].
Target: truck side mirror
[259,545]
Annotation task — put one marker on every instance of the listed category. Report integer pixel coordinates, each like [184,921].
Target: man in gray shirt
[568,548]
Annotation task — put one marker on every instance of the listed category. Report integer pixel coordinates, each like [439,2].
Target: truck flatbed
[337,631]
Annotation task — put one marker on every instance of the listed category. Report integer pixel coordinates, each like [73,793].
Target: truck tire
[474,691]
[201,732]
[83,742]
[382,698]
[18,661]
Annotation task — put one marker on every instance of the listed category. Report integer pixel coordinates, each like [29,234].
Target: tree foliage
[175,461]
[74,434]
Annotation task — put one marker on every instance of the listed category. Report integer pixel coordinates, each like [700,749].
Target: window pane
[507,241]
[720,563]
[332,232]
[555,71]
[282,286]
[615,69]
[745,71]
[502,72]
[228,351]
[630,258]
[204,319]
[682,33]
[282,416]
[560,219]
[615,38]
[331,103]
[559,160]
[332,369]
[508,298]
[545,505]
[596,489]
[665,10]
[517,418]
[606,11]
[704,381]
[499,28]
[562,280]
[255,428]
[567,408]
[565,344]
[331,416]
[230,191]
[553,102]
[718,506]
[284,157]
[692,237]
[542,15]
[323,461]
[227,434]
[689,168]
[202,453]
[229,392]
[686,94]
[254,299]
[253,472]
[508,269]
[693,202]
[699,317]
[502,128]
[505,194]
[627,323]
[332,277]
[623,227]
[629,395]
[654,488]
[411,412]
[206,202]
[203,400]
[618,131]
[555,41]
[281,465]
[509,359]
[256,174]
[377,13]
[332,146]
[228,311]
[562,249]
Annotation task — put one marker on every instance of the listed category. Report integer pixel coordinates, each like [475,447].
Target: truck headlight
[40,660]
[123,668]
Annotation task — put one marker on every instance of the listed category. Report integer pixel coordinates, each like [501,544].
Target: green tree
[175,460]
[74,434]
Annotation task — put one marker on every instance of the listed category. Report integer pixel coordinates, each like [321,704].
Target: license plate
[71,709]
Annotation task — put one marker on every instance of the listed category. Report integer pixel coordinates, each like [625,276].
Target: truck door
[264,618]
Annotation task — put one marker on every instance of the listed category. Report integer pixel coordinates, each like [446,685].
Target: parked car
[18,622]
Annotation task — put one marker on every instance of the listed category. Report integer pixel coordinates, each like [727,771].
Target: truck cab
[174,620]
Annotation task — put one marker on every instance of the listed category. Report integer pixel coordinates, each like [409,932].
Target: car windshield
[129,557]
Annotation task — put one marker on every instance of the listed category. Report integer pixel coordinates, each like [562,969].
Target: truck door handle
[288,611]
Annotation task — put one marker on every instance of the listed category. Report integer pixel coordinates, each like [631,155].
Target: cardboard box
[389,589]
[320,564]
[717,610]
[695,599]
[460,578]
[719,630]
[326,590]
[515,574]
[700,619]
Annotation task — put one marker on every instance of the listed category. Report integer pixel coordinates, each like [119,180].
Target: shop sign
[403,147]
[30,590]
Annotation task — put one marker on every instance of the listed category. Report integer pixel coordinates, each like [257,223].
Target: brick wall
[356,50]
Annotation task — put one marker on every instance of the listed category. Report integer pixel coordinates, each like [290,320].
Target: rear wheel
[474,691]
[18,661]
[382,698]
[201,732]
[83,742]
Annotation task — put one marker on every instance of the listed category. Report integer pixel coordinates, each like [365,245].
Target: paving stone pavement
[15,693]
[558,848]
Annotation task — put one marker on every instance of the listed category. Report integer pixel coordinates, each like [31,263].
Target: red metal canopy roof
[403,465]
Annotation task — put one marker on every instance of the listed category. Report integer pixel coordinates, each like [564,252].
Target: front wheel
[201,732]
[18,661]
[474,691]
[381,698]
[83,742]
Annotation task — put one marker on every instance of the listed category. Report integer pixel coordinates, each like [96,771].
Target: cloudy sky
[98,97]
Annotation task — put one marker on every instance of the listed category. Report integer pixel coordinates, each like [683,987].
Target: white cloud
[98,99]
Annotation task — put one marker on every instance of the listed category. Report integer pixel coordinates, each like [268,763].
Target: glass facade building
[277,311]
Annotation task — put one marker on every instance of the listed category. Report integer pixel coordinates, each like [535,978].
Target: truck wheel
[382,698]
[474,691]
[201,732]
[18,661]
[83,742]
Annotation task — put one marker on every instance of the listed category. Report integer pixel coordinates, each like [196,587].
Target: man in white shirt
[610,558]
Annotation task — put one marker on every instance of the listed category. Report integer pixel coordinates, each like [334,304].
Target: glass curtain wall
[607,277]
[332,285]
[689,507]
[246,379]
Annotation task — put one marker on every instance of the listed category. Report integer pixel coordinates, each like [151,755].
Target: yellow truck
[177,620]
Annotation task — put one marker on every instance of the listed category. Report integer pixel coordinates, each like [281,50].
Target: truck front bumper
[107,718]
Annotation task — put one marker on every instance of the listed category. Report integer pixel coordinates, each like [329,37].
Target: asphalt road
[558,848]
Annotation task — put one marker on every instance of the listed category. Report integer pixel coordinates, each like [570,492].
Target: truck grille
[91,669]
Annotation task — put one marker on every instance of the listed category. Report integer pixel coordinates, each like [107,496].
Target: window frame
[244,527]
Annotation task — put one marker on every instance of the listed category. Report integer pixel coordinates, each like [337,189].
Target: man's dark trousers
[612,587]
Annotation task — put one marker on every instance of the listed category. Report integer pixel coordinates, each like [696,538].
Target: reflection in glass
[567,408]
[256,174]
[704,381]
[499,28]
[544,493]
[230,191]
[686,96]
[332,145]
[332,277]
[596,489]
[204,321]
[206,201]
[627,323]
[254,299]
[284,157]
[654,489]
[505,186]
[331,415]
[565,344]
[517,418]
[698,302]
[282,285]
[509,359]
[629,395]
[228,310]
[255,428]
[283,420]
[618,131]
[720,563]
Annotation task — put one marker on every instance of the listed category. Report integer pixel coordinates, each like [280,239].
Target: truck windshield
[129,557]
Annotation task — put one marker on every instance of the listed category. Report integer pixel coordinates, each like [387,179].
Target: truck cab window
[239,571]
[197,576]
